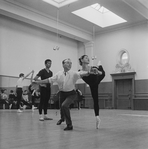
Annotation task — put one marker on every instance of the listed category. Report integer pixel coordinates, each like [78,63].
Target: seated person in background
[12,99]
[4,98]
[25,99]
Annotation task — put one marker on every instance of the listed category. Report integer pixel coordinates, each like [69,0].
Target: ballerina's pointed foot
[98,121]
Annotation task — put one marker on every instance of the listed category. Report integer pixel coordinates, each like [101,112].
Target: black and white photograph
[73,74]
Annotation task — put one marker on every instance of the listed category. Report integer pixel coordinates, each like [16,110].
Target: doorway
[123,94]
[123,90]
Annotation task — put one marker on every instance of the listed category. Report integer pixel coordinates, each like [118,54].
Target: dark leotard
[93,81]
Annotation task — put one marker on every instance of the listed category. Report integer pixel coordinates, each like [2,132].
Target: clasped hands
[95,71]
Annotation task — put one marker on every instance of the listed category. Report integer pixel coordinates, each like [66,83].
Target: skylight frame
[100,19]
[59,3]
[99,8]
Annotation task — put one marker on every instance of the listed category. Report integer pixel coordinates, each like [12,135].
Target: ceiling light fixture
[94,57]
[57,33]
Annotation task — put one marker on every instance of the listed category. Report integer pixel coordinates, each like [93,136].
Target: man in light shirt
[66,80]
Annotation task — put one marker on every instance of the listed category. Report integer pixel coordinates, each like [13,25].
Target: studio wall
[24,47]
[134,39]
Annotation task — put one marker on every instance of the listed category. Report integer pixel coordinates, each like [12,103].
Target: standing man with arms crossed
[66,80]
[45,89]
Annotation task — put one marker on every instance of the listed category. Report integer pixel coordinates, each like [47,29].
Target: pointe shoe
[98,121]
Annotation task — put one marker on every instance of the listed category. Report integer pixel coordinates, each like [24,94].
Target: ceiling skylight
[59,3]
[99,15]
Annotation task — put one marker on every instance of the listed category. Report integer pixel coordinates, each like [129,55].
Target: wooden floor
[119,129]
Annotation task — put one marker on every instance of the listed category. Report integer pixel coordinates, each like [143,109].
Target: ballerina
[93,80]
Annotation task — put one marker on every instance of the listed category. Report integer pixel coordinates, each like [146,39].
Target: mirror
[123,65]
[123,57]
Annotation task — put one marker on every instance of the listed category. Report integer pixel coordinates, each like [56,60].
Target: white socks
[41,117]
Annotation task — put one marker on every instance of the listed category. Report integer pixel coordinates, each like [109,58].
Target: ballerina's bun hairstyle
[80,59]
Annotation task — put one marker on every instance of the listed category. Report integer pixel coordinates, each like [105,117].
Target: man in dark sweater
[45,89]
